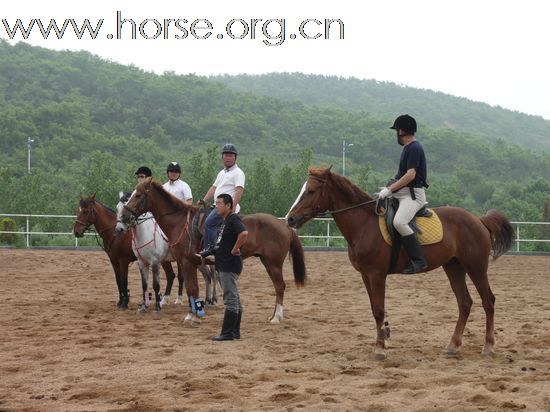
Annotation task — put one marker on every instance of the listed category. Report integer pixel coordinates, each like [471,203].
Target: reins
[344,209]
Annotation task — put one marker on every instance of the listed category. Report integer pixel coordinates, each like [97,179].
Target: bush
[8,224]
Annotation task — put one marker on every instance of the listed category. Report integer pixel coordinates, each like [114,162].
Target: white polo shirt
[228,180]
[178,188]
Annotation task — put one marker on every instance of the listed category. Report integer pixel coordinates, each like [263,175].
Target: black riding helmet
[229,148]
[173,167]
[405,123]
[144,170]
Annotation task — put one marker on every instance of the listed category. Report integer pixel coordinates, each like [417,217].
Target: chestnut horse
[117,246]
[465,248]
[269,238]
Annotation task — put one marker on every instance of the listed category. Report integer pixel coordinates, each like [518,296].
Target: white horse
[152,249]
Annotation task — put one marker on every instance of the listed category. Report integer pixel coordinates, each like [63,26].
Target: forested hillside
[94,122]
[385,99]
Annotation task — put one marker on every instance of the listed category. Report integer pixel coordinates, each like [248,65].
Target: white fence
[326,237]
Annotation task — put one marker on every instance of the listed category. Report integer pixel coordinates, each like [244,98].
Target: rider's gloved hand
[384,193]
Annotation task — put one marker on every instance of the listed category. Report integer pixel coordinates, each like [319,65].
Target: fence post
[517,238]
[28,231]
[328,233]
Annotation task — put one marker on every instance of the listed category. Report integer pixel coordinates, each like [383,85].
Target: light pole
[29,142]
[344,148]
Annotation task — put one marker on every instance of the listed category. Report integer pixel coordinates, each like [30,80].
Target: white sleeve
[218,180]
[187,194]
[239,179]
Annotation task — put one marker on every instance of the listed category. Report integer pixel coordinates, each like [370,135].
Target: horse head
[312,200]
[138,204]
[85,216]
[121,227]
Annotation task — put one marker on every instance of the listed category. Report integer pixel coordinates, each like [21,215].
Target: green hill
[386,100]
[94,122]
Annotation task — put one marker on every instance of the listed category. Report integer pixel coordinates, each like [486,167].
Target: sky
[485,50]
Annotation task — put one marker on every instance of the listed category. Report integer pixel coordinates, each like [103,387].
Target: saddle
[428,228]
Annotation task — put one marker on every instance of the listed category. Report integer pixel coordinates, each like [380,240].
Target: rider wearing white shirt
[175,186]
[230,180]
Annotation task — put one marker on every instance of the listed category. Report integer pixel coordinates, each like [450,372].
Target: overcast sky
[486,50]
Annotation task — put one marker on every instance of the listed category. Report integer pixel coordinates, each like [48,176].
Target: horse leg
[170,276]
[181,283]
[481,282]
[156,285]
[144,271]
[123,272]
[192,290]
[215,282]
[457,277]
[118,278]
[275,272]
[376,289]
[207,284]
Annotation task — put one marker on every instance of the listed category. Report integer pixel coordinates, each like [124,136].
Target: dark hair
[227,199]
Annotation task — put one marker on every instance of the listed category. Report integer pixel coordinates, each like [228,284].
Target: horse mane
[87,202]
[353,192]
[174,201]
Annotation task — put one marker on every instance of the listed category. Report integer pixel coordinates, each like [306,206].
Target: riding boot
[229,319]
[237,328]
[417,261]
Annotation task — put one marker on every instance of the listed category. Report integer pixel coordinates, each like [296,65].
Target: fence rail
[322,237]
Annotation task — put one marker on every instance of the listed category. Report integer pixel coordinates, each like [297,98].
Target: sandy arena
[66,347]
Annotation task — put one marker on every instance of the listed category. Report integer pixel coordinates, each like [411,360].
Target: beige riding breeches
[407,208]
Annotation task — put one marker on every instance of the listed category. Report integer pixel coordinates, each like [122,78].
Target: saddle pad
[432,230]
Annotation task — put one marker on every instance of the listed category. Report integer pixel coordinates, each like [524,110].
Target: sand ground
[66,347]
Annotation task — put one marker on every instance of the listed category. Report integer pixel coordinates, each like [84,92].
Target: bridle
[317,208]
[135,219]
[88,223]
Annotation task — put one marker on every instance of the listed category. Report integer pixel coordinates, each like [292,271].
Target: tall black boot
[237,328]
[414,250]
[229,319]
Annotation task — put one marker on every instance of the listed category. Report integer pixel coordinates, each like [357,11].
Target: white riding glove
[384,193]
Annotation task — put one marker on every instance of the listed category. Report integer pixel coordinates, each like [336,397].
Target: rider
[175,185]
[182,191]
[230,180]
[408,189]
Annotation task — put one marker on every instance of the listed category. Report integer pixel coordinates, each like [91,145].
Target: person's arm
[210,194]
[237,198]
[240,241]
[404,181]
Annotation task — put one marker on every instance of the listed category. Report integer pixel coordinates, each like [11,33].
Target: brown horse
[117,246]
[269,238]
[465,248]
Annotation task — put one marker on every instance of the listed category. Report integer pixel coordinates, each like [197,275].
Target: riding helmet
[144,170]
[173,167]
[405,123]
[229,148]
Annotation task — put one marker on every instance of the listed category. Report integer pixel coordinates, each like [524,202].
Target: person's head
[224,204]
[229,155]
[142,173]
[173,171]
[404,125]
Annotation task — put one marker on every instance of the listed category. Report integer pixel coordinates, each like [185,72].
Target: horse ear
[329,168]
[120,194]
[81,197]
[92,197]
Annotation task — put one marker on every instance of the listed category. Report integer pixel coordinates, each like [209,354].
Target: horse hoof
[488,353]
[450,351]
[191,320]
[380,355]
[275,321]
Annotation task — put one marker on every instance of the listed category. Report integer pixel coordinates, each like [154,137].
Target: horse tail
[297,258]
[501,231]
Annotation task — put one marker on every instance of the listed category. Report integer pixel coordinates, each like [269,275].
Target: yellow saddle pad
[432,230]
